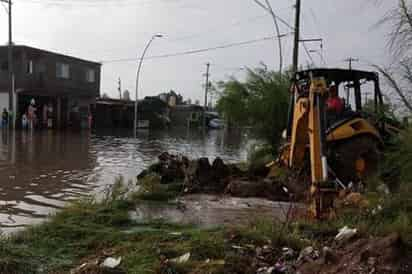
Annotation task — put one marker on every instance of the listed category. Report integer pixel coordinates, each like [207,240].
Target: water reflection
[40,171]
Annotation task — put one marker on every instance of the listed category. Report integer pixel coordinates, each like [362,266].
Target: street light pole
[10,55]
[269,9]
[137,80]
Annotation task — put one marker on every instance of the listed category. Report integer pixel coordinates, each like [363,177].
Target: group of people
[30,118]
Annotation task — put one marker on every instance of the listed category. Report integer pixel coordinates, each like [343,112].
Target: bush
[260,155]
[397,167]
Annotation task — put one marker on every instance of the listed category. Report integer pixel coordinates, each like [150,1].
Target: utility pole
[10,55]
[297,36]
[119,88]
[206,93]
[350,60]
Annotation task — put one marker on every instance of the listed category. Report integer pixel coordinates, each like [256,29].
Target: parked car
[216,123]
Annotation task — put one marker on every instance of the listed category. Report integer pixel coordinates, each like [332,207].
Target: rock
[171,168]
[329,255]
[220,170]
[265,270]
[201,176]
[203,171]
[372,261]
[308,254]
[279,268]
[288,253]
[165,156]
[345,233]
[356,200]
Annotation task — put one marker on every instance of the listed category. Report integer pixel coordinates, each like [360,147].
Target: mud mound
[202,176]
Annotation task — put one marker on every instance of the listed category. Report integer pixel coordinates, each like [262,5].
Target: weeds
[151,189]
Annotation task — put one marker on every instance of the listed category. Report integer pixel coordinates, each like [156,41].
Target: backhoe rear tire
[356,159]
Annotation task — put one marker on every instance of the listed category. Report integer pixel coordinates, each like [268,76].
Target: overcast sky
[104,30]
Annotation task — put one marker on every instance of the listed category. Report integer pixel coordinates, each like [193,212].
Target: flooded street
[41,171]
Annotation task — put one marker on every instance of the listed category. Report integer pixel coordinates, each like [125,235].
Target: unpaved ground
[386,255]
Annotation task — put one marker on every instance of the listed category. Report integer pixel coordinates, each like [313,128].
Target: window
[62,71]
[5,65]
[90,76]
[41,67]
[29,69]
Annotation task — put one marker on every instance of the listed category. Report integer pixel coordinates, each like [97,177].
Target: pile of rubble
[201,176]
[346,255]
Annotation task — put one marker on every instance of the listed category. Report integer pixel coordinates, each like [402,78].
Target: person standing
[24,121]
[31,114]
[50,116]
[334,103]
[5,118]
[44,116]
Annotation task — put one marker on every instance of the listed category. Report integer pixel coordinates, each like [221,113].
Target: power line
[292,28]
[93,4]
[87,2]
[218,27]
[195,51]
[130,2]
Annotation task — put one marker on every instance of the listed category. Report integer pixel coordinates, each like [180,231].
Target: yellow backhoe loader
[341,148]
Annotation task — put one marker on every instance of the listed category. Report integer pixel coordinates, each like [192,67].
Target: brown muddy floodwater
[41,171]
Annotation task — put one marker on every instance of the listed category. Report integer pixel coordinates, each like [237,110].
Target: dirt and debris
[383,255]
[103,263]
[363,255]
[202,176]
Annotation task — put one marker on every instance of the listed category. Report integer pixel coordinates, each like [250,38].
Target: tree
[400,20]
[260,101]
[399,77]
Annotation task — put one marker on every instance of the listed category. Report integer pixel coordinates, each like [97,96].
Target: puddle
[210,211]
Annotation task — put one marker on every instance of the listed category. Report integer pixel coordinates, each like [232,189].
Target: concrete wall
[4,101]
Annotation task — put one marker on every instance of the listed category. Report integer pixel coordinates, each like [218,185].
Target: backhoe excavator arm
[308,134]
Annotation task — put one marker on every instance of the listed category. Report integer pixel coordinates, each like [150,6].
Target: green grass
[86,229]
[151,189]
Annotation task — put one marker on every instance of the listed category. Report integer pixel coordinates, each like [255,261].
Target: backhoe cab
[334,124]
